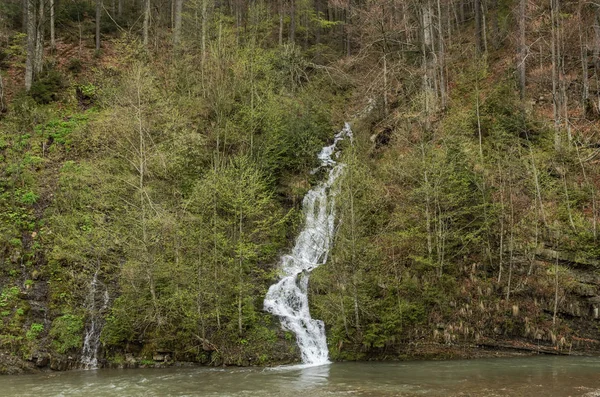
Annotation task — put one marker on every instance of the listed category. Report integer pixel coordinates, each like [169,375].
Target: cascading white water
[288,297]
[91,342]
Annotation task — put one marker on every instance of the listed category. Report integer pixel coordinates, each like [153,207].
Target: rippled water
[532,376]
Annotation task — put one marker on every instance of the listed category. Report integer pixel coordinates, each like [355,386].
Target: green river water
[523,376]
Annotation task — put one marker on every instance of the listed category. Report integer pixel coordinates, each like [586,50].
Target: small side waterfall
[288,297]
[96,302]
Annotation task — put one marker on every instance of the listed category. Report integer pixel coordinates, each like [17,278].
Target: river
[523,376]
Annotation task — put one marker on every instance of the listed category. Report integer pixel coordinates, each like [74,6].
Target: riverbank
[12,365]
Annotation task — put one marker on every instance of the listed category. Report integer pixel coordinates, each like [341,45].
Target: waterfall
[95,303]
[288,298]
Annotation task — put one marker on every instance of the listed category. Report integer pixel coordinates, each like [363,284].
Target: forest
[154,155]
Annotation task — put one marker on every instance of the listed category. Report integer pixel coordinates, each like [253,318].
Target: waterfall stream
[288,298]
[96,302]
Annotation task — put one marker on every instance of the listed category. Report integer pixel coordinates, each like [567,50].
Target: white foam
[288,297]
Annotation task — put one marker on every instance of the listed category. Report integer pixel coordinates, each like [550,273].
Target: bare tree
[441,57]
[177,26]
[146,24]
[52,32]
[98,17]
[522,47]
[427,63]
[292,21]
[31,44]
[479,40]
[39,38]
[585,91]
[204,28]
[2,104]
[495,24]
[281,12]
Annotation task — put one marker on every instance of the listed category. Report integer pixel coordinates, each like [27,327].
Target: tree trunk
[522,47]
[146,25]
[385,84]
[241,276]
[555,287]
[511,241]
[427,61]
[495,25]
[2,104]
[31,41]
[318,29]
[478,27]
[597,39]
[292,21]
[596,56]
[98,16]
[204,29]
[501,219]
[172,14]
[348,17]
[52,32]
[238,20]
[280,22]
[585,91]
[177,26]
[555,74]
[441,57]
[120,8]
[39,42]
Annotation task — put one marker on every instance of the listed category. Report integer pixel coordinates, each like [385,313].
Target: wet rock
[12,365]
[162,355]
[42,361]
[185,364]
[59,364]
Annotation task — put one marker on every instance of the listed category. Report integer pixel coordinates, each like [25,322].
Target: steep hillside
[148,188]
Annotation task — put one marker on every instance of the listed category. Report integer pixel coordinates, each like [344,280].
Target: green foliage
[147,362]
[89,90]
[8,296]
[34,331]
[74,11]
[67,332]
[10,12]
[75,65]
[182,187]
[12,318]
[118,327]
[45,88]
[59,129]
[15,50]
[29,198]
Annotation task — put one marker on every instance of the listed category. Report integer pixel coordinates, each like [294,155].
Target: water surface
[526,376]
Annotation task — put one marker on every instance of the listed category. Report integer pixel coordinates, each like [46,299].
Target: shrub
[46,88]
[74,66]
[66,332]
[34,331]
